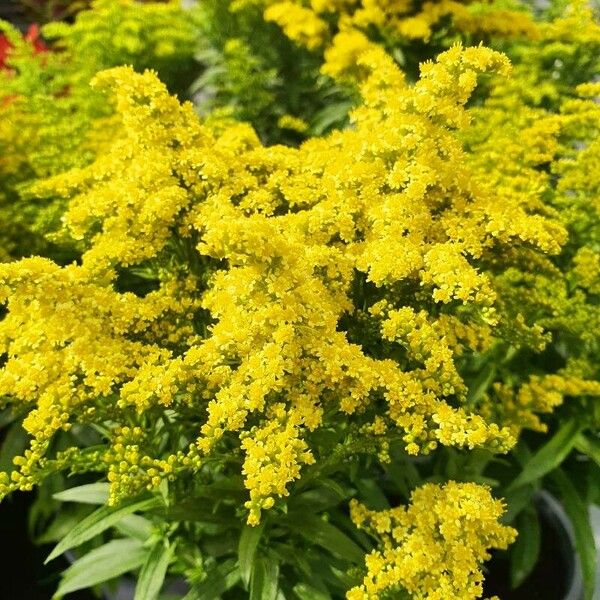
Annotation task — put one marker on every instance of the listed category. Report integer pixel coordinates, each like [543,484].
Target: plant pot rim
[558,519]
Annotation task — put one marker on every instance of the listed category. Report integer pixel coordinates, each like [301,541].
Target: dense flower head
[313,24]
[346,276]
[433,548]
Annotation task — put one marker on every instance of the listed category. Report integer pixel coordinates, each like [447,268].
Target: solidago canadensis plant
[321,369]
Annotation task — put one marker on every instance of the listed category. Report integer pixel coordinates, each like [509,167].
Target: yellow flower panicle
[536,139]
[266,262]
[400,22]
[435,547]
[521,408]
[275,453]
[50,118]
[300,24]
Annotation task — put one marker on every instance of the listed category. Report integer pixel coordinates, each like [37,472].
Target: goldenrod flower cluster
[422,279]
[434,547]
[536,138]
[50,118]
[282,246]
[312,24]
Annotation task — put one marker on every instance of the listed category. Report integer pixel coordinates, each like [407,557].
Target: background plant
[52,120]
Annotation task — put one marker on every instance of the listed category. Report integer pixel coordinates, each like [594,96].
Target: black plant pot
[557,575]
[23,574]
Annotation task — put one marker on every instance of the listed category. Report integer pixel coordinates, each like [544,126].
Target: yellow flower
[300,24]
[434,547]
[260,324]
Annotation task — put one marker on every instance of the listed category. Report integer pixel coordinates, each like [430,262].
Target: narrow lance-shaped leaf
[326,535]
[526,550]
[247,550]
[307,592]
[15,442]
[134,526]
[99,521]
[102,564]
[516,501]
[577,511]
[481,383]
[152,575]
[589,446]
[549,456]
[218,581]
[92,493]
[8,415]
[264,581]
[373,495]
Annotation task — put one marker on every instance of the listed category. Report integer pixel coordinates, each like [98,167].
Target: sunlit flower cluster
[423,279]
[291,254]
[312,24]
[434,547]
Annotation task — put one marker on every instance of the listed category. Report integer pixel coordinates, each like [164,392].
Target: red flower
[32,36]
[5,46]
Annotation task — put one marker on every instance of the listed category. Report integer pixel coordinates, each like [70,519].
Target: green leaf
[92,493]
[330,115]
[328,493]
[8,415]
[191,511]
[373,495]
[330,576]
[220,543]
[549,456]
[591,483]
[480,384]
[324,534]
[335,487]
[135,526]
[264,581]
[307,592]
[477,462]
[577,511]
[15,442]
[516,501]
[219,580]
[247,550]
[295,556]
[526,550]
[588,446]
[152,575]
[64,521]
[102,564]
[100,520]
